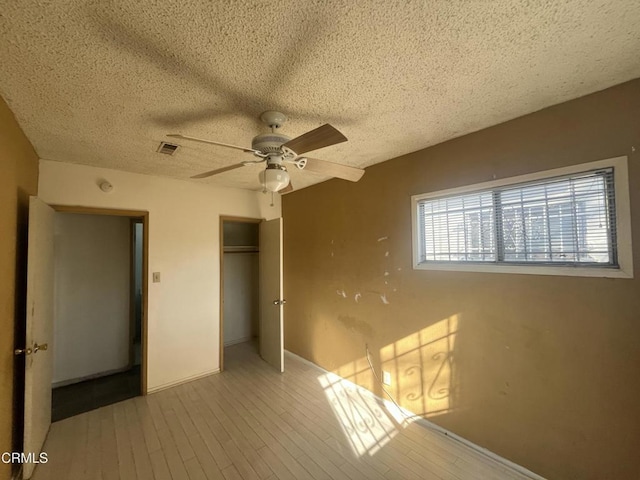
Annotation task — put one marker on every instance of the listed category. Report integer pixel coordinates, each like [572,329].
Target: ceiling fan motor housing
[269,142]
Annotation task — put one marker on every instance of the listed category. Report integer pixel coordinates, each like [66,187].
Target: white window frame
[623,225]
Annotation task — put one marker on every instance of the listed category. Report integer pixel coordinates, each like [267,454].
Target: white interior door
[271,291]
[39,331]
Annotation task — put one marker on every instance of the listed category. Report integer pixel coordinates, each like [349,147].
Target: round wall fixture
[106,187]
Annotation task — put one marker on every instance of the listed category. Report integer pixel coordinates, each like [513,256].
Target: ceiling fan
[277,150]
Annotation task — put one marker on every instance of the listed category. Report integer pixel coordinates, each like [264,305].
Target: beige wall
[541,370]
[18,180]
[91,316]
[183,312]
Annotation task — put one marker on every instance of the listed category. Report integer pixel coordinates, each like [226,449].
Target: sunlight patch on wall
[422,368]
[358,372]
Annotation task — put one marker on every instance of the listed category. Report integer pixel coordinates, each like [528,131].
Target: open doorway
[239,285]
[99,303]
[251,289]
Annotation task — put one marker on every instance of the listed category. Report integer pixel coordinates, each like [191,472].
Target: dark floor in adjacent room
[84,396]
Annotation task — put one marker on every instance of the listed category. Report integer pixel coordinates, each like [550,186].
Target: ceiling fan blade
[211,142]
[323,136]
[219,170]
[287,189]
[337,170]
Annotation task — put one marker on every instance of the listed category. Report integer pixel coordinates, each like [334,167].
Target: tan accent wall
[18,180]
[542,370]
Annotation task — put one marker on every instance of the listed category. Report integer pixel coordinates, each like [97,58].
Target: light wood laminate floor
[251,422]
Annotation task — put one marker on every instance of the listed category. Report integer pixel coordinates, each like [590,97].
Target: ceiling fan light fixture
[274,178]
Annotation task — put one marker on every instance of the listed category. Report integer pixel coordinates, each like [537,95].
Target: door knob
[20,351]
[37,347]
[279,302]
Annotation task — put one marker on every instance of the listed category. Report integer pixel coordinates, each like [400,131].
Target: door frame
[228,218]
[143,216]
[133,221]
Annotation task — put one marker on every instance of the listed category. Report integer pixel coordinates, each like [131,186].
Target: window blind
[567,220]
[460,228]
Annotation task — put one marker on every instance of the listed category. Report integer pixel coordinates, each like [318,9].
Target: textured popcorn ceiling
[101,83]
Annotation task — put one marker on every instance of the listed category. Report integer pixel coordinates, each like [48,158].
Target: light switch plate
[386,377]
[156,277]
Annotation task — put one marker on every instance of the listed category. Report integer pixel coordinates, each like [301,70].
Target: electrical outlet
[156,277]
[386,377]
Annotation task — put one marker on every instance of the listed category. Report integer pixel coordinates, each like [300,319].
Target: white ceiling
[101,83]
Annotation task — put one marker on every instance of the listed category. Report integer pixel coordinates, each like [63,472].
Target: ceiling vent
[167,148]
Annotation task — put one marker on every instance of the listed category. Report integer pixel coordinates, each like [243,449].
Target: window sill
[563,271]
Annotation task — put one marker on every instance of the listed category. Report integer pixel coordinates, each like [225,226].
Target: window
[570,221]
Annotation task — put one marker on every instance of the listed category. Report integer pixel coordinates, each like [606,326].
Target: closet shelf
[240,248]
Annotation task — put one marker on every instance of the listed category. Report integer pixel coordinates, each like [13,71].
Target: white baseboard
[191,378]
[432,426]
